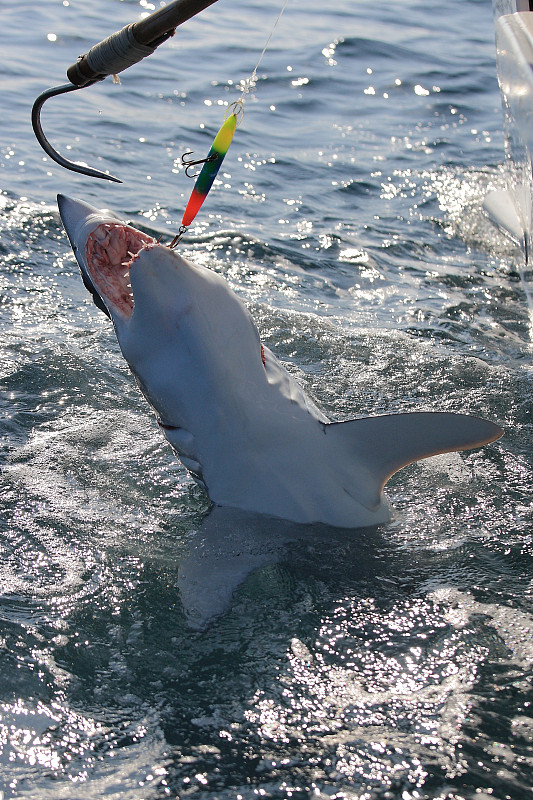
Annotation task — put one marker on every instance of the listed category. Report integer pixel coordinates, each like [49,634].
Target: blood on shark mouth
[110,249]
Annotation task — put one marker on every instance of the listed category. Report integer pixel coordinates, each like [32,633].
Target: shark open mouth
[110,251]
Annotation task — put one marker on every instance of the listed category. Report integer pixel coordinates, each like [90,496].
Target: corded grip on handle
[133,43]
[109,57]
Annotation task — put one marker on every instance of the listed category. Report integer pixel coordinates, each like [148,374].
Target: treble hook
[189,164]
[45,144]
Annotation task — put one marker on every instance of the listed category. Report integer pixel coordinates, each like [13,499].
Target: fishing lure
[210,169]
[211,166]
[219,148]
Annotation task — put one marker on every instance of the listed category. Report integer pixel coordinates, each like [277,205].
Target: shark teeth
[110,251]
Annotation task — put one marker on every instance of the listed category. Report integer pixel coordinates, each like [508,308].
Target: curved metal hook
[189,164]
[45,144]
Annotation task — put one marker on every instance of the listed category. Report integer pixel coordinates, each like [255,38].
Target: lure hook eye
[45,144]
[237,109]
[189,164]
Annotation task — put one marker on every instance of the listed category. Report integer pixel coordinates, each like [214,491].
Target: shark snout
[80,219]
[73,214]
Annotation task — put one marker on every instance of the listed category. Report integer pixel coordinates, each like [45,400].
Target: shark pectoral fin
[382,445]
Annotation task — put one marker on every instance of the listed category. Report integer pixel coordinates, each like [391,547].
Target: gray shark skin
[239,422]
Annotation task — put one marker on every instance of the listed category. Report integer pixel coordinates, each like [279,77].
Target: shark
[240,423]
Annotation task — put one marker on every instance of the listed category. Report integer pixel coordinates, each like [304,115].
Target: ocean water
[152,649]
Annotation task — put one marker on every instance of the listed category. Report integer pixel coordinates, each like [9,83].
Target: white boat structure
[511,209]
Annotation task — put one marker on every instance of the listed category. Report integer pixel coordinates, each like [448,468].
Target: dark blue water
[149,649]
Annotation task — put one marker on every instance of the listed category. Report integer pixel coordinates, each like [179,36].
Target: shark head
[239,422]
[157,300]
[138,282]
[104,248]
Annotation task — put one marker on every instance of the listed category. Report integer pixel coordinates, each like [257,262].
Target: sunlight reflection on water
[151,650]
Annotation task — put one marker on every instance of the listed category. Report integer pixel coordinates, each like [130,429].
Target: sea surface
[150,648]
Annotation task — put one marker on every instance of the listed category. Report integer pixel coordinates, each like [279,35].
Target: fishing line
[219,148]
[251,81]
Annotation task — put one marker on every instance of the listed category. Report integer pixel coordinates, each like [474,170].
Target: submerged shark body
[239,422]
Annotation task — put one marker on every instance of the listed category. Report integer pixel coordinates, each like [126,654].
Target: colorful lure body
[219,148]
[210,169]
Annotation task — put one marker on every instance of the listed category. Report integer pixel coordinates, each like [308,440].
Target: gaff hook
[111,56]
[45,144]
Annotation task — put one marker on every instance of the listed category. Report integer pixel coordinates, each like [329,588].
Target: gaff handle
[132,43]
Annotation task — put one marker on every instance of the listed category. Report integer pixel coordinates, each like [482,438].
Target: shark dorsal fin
[382,445]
